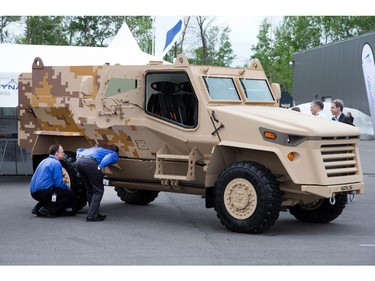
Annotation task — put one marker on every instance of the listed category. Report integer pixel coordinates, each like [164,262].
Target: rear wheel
[247,198]
[72,178]
[321,211]
[136,196]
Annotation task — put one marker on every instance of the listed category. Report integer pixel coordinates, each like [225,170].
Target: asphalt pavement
[177,229]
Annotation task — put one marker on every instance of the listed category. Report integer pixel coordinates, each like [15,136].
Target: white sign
[8,89]
[368,68]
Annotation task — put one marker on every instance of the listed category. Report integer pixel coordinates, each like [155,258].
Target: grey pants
[92,179]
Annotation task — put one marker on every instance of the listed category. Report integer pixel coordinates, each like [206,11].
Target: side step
[163,155]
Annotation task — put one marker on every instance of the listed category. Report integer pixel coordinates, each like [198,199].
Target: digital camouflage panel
[204,130]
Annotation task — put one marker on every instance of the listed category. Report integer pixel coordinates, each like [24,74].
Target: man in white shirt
[316,108]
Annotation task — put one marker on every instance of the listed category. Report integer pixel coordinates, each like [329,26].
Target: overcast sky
[244,32]
[242,16]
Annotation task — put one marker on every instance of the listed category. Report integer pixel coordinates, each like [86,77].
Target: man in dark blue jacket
[90,163]
[47,187]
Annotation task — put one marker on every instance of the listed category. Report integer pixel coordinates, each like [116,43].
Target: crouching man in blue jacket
[47,186]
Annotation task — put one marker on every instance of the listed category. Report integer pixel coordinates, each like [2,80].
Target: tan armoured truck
[212,131]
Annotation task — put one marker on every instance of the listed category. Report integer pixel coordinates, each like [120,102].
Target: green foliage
[141,28]
[92,31]
[215,48]
[263,51]
[275,48]
[44,31]
[5,35]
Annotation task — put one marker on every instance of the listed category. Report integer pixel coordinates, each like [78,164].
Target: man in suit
[337,108]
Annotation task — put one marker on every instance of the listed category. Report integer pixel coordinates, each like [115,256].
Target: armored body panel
[204,130]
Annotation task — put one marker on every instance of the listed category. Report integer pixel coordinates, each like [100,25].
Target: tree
[299,33]
[43,31]
[214,47]
[4,23]
[263,50]
[93,31]
[295,34]
[141,28]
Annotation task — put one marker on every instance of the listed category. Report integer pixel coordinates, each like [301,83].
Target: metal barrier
[4,148]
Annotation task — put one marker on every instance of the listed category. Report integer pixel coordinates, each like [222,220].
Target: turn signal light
[269,135]
[291,156]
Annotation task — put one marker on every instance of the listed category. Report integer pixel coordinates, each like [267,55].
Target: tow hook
[352,196]
[332,200]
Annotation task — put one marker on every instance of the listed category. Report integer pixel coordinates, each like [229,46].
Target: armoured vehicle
[212,131]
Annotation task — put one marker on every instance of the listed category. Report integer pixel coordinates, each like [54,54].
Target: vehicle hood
[279,119]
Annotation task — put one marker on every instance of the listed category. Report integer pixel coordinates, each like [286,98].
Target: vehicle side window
[171,96]
[119,85]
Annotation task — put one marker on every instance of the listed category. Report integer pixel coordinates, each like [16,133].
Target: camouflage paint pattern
[70,101]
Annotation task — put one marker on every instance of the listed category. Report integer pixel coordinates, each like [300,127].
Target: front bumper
[328,191]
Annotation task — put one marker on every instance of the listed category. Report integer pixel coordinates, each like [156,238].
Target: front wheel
[72,178]
[321,211]
[247,198]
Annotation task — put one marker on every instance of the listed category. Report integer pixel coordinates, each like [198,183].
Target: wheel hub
[240,198]
[66,177]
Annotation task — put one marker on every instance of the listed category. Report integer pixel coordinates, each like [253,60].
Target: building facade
[331,72]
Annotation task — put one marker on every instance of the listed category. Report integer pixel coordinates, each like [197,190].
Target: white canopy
[123,50]
[17,58]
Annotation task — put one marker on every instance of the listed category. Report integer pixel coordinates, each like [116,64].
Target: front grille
[339,159]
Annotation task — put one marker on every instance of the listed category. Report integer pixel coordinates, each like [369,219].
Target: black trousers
[92,179]
[65,198]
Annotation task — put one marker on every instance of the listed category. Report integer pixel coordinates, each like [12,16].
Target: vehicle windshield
[256,90]
[221,88]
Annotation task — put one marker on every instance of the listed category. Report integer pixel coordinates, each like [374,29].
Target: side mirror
[276,91]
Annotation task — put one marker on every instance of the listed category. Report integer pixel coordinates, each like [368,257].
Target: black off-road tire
[247,198]
[73,179]
[136,196]
[321,211]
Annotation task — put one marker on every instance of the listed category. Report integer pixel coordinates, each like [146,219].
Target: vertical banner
[368,68]
[8,89]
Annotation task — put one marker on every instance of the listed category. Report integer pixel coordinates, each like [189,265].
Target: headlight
[281,138]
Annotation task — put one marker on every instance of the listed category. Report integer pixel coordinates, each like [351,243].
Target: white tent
[17,58]
[123,50]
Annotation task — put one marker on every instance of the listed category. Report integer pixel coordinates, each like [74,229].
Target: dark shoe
[98,218]
[102,216]
[36,212]
[44,212]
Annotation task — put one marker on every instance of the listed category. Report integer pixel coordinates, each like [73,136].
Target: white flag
[368,68]
[167,31]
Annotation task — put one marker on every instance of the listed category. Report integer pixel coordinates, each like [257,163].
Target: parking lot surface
[177,229]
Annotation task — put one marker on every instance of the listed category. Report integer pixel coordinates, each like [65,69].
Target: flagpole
[153,36]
